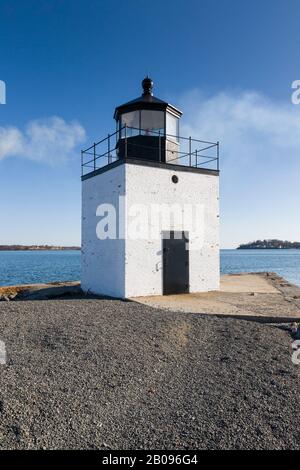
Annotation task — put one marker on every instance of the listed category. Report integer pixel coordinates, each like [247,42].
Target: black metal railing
[167,148]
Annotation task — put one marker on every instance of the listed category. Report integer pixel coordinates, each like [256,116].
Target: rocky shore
[37,248]
[40,291]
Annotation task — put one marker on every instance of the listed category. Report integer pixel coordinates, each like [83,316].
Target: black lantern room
[148,128]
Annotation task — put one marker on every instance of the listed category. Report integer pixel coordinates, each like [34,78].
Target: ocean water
[27,267]
[286,263]
[30,267]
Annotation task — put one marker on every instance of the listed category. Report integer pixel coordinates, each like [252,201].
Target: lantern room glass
[172,127]
[132,122]
[145,122]
[152,122]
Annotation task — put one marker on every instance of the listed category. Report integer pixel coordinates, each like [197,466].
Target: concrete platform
[260,296]
[247,283]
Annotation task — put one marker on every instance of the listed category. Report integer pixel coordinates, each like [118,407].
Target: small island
[269,244]
[36,248]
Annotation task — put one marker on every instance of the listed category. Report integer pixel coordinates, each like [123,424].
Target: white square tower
[150,206]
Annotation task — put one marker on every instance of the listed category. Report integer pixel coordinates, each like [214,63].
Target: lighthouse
[150,205]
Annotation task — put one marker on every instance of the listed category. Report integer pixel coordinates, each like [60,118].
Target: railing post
[190,151]
[108,149]
[81,162]
[218,164]
[159,146]
[196,158]
[94,156]
[125,141]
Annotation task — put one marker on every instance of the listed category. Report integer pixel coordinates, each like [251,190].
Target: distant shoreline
[273,244]
[267,248]
[37,248]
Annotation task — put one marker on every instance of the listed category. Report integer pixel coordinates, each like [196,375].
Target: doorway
[175,263]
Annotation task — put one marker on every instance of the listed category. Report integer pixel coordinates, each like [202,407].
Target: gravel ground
[107,374]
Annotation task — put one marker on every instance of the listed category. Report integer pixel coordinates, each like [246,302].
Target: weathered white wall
[130,268]
[152,185]
[102,261]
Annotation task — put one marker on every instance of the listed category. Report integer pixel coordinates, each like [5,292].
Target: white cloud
[248,125]
[50,140]
[259,161]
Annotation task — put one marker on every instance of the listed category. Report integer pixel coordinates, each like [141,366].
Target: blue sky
[228,64]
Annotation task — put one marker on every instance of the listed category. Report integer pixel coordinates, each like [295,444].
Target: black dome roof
[146,101]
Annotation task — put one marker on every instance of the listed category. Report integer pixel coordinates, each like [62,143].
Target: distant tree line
[36,247]
[269,244]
